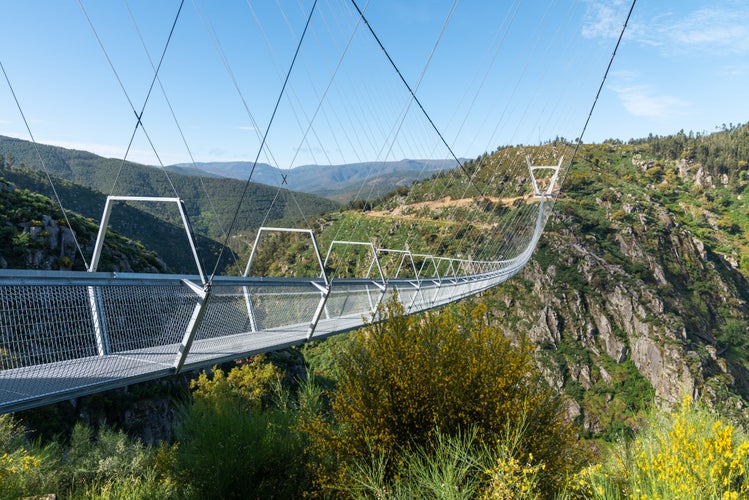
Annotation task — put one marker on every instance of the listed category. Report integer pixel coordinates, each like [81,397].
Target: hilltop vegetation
[639,288]
[635,303]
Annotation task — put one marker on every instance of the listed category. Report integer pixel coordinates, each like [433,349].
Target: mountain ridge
[338,182]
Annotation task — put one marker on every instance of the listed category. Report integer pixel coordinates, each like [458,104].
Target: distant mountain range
[338,182]
[83,179]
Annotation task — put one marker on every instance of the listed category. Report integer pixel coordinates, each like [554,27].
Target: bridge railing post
[100,327]
[193,325]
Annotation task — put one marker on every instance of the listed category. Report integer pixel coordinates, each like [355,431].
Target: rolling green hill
[639,288]
[81,179]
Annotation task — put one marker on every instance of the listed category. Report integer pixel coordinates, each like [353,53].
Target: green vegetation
[688,453]
[238,438]
[642,279]
[245,435]
[34,235]
[407,380]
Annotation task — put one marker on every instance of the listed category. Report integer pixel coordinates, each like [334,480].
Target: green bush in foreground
[102,464]
[455,467]
[235,442]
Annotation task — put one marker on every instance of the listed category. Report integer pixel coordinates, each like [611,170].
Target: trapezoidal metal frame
[324,290]
[552,183]
[96,305]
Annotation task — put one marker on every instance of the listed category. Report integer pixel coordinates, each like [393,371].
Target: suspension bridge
[65,334]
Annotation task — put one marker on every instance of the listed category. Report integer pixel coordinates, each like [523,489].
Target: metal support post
[196,319]
[97,316]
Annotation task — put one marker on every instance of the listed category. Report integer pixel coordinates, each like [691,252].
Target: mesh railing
[66,334]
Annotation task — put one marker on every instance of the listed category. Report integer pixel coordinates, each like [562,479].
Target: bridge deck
[69,334]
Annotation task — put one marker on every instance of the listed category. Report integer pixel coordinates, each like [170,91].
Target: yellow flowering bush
[405,376]
[250,383]
[512,478]
[690,453]
[15,468]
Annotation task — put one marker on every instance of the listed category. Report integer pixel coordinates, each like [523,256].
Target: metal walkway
[68,334]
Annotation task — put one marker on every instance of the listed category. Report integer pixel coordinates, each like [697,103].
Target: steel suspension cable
[600,88]
[177,123]
[398,125]
[43,164]
[579,140]
[410,90]
[208,26]
[262,143]
[138,116]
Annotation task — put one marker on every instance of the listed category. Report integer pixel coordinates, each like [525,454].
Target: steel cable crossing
[67,334]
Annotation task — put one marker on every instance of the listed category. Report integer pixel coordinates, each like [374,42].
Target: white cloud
[604,19]
[735,71]
[720,28]
[643,101]
[712,28]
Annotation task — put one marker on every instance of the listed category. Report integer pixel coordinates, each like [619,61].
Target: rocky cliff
[625,301]
[35,235]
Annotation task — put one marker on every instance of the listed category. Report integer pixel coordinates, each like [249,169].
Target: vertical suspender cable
[400,75]
[600,88]
[138,116]
[262,143]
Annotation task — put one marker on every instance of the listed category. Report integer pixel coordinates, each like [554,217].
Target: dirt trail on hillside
[444,203]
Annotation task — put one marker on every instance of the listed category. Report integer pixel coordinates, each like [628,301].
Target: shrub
[233,443]
[104,464]
[690,453]
[405,376]
[101,457]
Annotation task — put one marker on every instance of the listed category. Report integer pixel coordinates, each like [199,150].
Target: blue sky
[501,72]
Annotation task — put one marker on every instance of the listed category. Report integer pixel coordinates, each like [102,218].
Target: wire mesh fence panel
[358,300]
[139,317]
[424,298]
[278,306]
[227,313]
[40,325]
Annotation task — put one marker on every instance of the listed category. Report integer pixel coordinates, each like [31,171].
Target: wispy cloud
[735,71]
[603,19]
[646,102]
[246,128]
[720,28]
[712,28]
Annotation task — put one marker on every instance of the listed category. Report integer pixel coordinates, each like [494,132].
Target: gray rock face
[590,317]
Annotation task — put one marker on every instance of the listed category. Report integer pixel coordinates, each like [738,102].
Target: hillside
[34,235]
[337,182]
[639,288]
[210,202]
[155,233]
